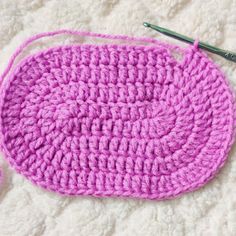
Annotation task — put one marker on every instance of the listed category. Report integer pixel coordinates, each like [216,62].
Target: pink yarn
[116,119]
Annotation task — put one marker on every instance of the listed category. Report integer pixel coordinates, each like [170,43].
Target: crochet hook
[231,56]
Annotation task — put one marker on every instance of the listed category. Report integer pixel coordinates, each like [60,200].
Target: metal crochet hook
[224,53]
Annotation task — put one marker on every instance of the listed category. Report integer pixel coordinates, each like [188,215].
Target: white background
[26,210]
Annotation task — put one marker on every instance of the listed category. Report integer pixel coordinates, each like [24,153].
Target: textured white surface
[26,210]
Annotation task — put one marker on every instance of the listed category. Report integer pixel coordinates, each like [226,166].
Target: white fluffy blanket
[26,210]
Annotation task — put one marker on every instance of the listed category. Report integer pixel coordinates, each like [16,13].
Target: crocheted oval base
[115,120]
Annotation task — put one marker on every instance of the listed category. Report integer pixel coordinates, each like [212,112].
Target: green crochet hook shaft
[224,53]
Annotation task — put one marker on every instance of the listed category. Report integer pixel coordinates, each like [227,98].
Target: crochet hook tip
[146,24]
[154,27]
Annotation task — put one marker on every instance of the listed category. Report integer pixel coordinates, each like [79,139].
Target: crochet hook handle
[224,53]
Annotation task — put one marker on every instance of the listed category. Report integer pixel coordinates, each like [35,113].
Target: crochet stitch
[116,119]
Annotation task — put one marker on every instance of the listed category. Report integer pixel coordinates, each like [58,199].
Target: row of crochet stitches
[117,120]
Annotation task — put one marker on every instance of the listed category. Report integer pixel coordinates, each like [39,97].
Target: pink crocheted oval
[115,120]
